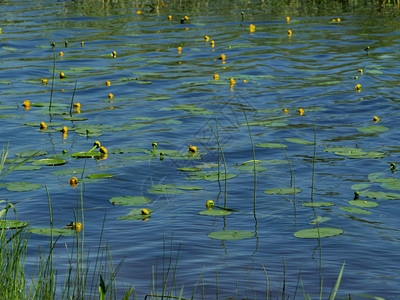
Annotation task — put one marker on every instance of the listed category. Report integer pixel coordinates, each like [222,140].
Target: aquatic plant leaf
[282,191]
[190,187]
[48,231]
[275,162]
[362,203]
[189,169]
[29,153]
[166,191]
[12,224]
[220,177]
[393,184]
[317,204]
[101,175]
[127,150]
[215,212]
[26,168]
[373,129]
[355,210]
[87,154]
[136,214]
[271,145]
[74,119]
[375,175]
[360,186]
[250,168]
[129,200]
[316,233]
[72,171]
[380,195]
[37,124]
[50,162]
[319,220]
[231,235]
[299,141]
[21,186]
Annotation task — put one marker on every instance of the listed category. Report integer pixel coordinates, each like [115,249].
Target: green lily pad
[189,169]
[230,235]
[319,220]
[87,154]
[393,184]
[380,195]
[27,168]
[316,233]
[360,186]
[355,152]
[165,191]
[50,162]
[282,191]
[250,168]
[220,177]
[190,187]
[101,175]
[72,171]
[31,153]
[136,214]
[373,129]
[214,212]
[130,200]
[37,124]
[271,145]
[317,204]
[299,141]
[49,231]
[12,224]
[74,119]
[375,175]
[363,203]
[21,186]
[355,210]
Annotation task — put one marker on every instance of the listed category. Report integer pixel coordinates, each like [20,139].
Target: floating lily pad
[355,210]
[250,168]
[230,235]
[37,124]
[220,177]
[101,175]
[299,141]
[271,145]
[12,224]
[189,169]
[50,162]
[31,153]
[214,212]
[74,119]
[317,204]
[166,191]
[26,168]
[130,200]
[73,171]
[381,195]
[363,203]
[360,186]
[21,186]
[190,187]
[355,152]
[375,175]
[49,231]
[316,233]
[87,154]
[373,129]
[282,191]
[136,214]
[393,184]
[319,220]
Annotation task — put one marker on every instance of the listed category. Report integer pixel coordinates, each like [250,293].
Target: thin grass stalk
[292,177]
[333,295]
[216,283]
[197,283]
[314,158]
[72,99]
[52,82]
[284,280]
[267,283]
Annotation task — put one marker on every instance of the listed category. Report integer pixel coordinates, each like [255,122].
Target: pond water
[165,95]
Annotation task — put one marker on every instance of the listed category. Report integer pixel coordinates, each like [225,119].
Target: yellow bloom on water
[206,38]
[82,44]
[108,83]
[114,54]
[103,150]
[192,149]
[145,212]
[62,75]
[289,32]
[61,53]
[301,111]
[43,125]
[358,87]
[338,19]
[169,18]
[212,44]
[252,28]
[285,110]
[64,129]
[222,57]
[244,81]
[44,81]
[232,82]
[96,144]
[376,119]
[186,18]
[216,76]
[73,182]
[77,105]
[179,49]
[110,96]
[74,226]
[210,204]
[139,12]
[26,103]
[288,19]
[361,71]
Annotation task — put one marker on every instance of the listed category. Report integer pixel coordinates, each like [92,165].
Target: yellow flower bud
[232,82]
[108,83]
[193,149]
[62,75]
[358,87]
[64,129]
[301,111]
[287,19]
[210,204]
[376,119]
[97,144]
[61,53]
[103,150]
[43,125]
[73,182]
[44,81]
[206,38]
[145,212]
[289,32]
[77,105]
[222,57]
[169,18]
[212,44]
[179,49]
[26,103]
[114,54]
[216,76]
[285,110]
[252,28]
[110,96]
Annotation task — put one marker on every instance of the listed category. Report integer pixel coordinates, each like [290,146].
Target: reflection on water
[173,98]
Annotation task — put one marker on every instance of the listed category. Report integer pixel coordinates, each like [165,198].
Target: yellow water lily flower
[139,12]
[338,19]
[110,96]
[114,54]
[301,111]
[44,81]
[96,144]
[289,32]
[210,204]
[169,18]
[186,18]
[232,82]
[64,129]
[216,76]
[192,149]
[245,81]
[43,125]
[179,49]
[358,87]
[73,182]
[212,44]
[77,105]
[26,103]
[62,75]
[222,57]
[108,83]
[376,119]
[103,150]
[206,38]
[361,71]
[285,110]
[144,212]
[74,225]
[287,19]
[82,44]
[61,53]
[252,28]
